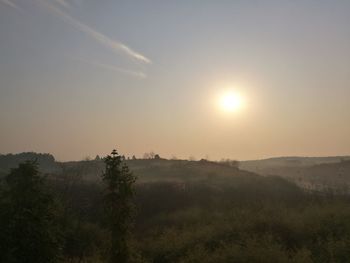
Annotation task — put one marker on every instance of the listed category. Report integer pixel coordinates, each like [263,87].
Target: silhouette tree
[149,155]
[118,201]
[28,218]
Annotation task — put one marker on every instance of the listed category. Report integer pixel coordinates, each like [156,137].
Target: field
[202,211]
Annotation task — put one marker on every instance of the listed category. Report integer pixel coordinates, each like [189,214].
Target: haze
[80,77]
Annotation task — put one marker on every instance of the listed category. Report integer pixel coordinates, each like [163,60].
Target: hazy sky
[80,77]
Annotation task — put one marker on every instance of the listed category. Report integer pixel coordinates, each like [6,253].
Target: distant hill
[317,173]
[47,163]
[276,165]
[147,170]
[167,185]
[322,176]
[308,172]
[160,170]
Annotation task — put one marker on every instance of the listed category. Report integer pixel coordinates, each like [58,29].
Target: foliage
[46,162]
[29,218]
[118,205]
[187,212]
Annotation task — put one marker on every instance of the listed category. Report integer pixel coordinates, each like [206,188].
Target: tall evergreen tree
[28,218]
[118,200]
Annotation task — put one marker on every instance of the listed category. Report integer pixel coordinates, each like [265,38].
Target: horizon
[190,158]
[242,80]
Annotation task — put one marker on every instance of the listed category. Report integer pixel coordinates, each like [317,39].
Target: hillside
[45,161]
[308,172]
[325,176]
[276,165]
[201,211]
[315,173]
[159,170]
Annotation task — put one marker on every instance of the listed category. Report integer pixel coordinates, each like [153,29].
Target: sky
[81,77]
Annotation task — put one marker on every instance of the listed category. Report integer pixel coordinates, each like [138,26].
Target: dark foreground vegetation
[180,211]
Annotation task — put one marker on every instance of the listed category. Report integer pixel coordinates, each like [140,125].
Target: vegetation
[29,218]
[45,161]
[187,211]
[118,205]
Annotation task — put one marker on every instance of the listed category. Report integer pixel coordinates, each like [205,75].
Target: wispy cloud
[53,7]
[138,74]
[116,46]
[10,3]
[63,3]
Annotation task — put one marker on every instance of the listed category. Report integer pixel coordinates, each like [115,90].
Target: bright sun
[231,101]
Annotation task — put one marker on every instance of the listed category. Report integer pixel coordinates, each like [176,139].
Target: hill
[274,165]
[202,211]
[47,163]
[314,173]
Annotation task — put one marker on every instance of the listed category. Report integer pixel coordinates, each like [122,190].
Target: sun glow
[231,101]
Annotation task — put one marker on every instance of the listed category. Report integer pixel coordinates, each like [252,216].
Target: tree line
[32,221]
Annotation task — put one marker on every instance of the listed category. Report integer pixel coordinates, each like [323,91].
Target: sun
[231,101]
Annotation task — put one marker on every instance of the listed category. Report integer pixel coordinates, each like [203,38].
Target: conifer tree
[118,201]
[28,218]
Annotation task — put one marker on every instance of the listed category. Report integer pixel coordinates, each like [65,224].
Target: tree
[118,201]
[28,218]
[149,155]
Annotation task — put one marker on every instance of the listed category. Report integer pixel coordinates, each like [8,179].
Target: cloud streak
[115,46]
[63,3]
[9,3]
[138,74]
